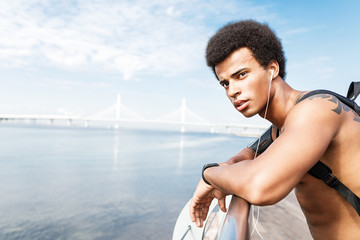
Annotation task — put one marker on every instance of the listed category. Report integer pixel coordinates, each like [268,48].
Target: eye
[224,83]
[242,74]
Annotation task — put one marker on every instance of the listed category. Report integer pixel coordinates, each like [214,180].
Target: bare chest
[326,211]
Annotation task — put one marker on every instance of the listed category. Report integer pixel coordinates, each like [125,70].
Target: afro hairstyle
[257,37]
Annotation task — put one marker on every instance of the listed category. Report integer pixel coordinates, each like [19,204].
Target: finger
[199,222]
[194,207]
[208,203]
[222,204]
[204,214]
[197,214]
[201,212]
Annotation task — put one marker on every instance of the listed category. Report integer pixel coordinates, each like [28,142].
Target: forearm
[218,178]
[230,179]
[239,176]
[246,180]
[262,181]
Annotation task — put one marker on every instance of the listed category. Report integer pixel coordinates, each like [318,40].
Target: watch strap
[206,166]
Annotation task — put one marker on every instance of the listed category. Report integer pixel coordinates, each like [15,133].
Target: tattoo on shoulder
[340,106]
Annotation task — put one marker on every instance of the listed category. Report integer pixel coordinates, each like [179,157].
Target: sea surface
[97,183]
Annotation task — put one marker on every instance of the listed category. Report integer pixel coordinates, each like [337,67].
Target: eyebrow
[234,74]
[237,72]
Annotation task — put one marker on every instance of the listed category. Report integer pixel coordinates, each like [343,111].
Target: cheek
[259,90]
[257,86]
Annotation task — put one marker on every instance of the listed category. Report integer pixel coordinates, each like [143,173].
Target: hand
[202,198]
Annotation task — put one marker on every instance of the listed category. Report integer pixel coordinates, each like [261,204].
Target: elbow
[261,193]
[258,198]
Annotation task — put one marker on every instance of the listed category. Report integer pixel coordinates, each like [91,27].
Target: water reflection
[91,183]
[116,150]
[181,151]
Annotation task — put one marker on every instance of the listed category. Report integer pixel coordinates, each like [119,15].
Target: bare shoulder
[324,122]
[325,102]
[314,122]
[324,116]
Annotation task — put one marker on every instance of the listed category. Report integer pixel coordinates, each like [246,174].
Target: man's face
[246,82]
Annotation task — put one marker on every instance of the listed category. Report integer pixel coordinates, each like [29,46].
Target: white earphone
[272,73]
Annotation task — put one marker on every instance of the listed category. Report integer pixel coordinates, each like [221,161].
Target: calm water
[77,183]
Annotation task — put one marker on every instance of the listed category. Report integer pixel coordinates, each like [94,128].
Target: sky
[74,57]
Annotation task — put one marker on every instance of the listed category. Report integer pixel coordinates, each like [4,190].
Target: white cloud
[296,31]
[128,37]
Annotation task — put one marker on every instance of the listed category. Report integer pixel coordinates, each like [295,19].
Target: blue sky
[74,57]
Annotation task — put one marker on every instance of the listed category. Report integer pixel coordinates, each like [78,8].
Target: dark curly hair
[259,38]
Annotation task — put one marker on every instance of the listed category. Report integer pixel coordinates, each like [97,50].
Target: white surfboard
[187,230]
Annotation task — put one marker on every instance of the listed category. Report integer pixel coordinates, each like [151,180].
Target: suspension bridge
[117,115]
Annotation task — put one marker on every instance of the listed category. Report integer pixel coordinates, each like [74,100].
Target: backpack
[321,170]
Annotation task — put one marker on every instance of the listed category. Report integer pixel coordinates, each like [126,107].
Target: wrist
[206,166]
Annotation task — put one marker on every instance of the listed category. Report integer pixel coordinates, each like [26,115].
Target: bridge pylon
[118,107]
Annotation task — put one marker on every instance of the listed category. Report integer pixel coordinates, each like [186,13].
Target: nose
[233,90]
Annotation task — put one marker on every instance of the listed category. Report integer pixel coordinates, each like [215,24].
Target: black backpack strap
[350,103]
[323,172]
[265,141]
[353,91]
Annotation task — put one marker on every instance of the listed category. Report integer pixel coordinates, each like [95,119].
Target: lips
[240,105]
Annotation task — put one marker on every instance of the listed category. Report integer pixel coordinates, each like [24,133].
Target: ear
[273,67]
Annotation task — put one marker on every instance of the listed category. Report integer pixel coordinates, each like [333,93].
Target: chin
[248,114]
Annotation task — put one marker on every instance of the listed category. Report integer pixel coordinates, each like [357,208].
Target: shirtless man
[248,60]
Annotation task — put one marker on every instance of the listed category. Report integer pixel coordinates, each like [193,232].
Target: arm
[205,193]
[271,176]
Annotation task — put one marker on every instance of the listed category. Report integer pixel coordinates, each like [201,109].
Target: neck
[282,100]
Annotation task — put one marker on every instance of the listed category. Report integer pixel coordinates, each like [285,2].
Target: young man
[248,60]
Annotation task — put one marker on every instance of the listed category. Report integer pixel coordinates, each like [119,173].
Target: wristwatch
[205,167]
